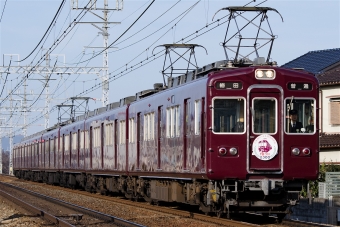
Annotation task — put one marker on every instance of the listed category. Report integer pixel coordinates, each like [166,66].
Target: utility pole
[105,34]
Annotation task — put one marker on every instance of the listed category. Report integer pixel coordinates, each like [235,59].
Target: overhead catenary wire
[55,44]
[48,29]
[181,40]
[3,86]
[3,10]
[122,33]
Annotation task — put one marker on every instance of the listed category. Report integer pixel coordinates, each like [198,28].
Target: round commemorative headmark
[265,147]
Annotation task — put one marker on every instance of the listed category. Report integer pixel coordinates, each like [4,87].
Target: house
[325,64]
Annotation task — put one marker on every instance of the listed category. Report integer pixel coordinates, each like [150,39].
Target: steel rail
[36,211]
[84,210]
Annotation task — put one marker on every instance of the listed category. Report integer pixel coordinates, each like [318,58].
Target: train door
[265,152]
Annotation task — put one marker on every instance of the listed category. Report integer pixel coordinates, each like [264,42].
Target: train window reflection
[300,114]
[228,115]
[264,119]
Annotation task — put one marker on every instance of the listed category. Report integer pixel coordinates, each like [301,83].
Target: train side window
[228,115]
[96,137]
[74,141]
[66,142]
[109,134]
[265,115]
[302,111]
[131,130]
[173,122]
[122,136]
[198,117]
[149,130]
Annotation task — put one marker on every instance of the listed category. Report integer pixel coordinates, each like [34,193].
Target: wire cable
[3,10]
[48,29]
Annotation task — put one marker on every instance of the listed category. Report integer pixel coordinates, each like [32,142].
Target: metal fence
[331,186]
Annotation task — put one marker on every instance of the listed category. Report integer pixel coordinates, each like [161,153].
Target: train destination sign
[300,86]
[229,85]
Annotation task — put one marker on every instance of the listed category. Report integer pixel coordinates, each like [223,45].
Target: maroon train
[217,137]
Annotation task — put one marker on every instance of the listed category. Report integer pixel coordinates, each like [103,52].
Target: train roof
[172,82]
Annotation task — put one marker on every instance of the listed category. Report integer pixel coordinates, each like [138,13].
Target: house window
[334,111]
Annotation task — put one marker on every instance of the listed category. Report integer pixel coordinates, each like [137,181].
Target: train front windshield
[229,115]
[300,114]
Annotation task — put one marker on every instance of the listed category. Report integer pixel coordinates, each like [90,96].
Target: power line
[3,10]
[48,29]
[121,34]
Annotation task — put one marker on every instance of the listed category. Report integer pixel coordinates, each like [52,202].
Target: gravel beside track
[12,216]
[137,215]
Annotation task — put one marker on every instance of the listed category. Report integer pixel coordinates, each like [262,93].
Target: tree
[314,185]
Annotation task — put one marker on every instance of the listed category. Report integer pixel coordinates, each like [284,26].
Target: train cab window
[228,115]
[300,114]
[264,115]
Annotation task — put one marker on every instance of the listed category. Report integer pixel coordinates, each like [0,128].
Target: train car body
[217,138]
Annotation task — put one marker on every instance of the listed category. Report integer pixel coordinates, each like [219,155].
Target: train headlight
[306,151]
[222,151]
[265,74]
[259,73]
[233,151]
[296,151]
[269,74]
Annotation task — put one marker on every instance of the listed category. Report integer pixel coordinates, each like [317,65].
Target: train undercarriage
[220,198]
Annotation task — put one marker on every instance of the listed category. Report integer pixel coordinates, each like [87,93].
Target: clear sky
[308,25]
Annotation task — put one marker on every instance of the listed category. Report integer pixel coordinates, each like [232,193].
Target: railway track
[57,211]
[255,220]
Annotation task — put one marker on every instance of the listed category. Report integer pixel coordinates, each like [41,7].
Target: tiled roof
[315,61]
[329,140]
[330,77]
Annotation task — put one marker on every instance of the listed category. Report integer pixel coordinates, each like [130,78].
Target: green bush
[314,185]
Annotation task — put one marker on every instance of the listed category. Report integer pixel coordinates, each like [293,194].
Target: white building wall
[330,156]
